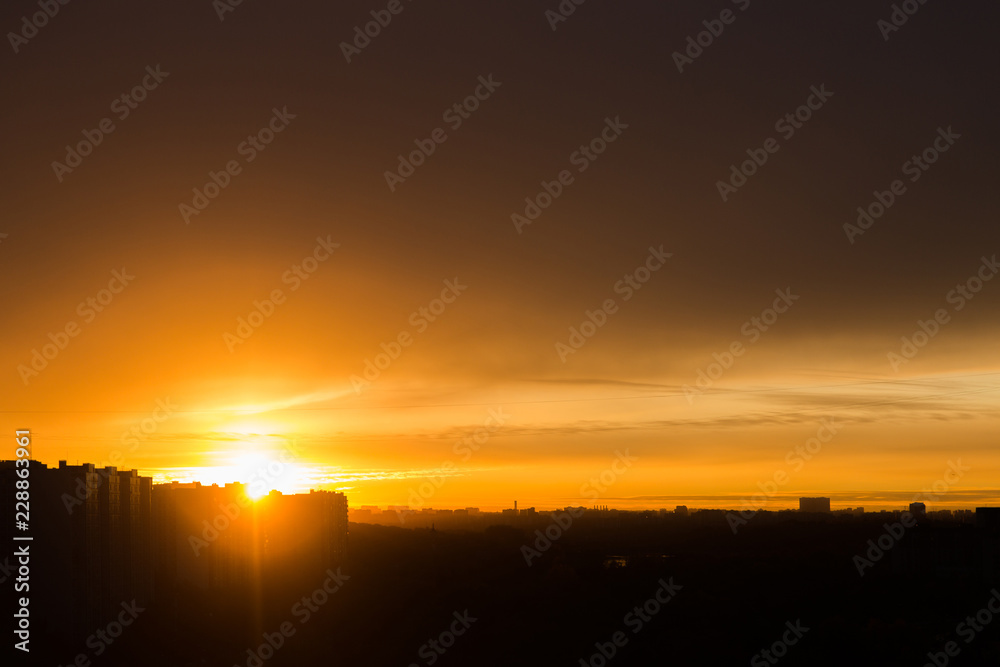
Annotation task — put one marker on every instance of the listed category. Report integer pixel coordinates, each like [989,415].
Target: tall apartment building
[90,557]
[205,535]
[814,504]
[308,529]
[217,538]
[102,537]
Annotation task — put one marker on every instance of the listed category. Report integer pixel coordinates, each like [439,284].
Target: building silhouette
[104,537]
[90,530]
[218,538]
[306,531]
[204,535]
[814,504]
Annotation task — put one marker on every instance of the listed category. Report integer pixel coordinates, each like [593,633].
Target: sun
[256,492]
[263,473]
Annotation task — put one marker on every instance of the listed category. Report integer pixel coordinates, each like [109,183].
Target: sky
[583,293]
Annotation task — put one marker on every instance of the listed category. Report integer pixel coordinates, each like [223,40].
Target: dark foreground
[686,594]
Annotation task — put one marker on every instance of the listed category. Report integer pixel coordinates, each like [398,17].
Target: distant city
[390,514]
[110,544]
[811,508]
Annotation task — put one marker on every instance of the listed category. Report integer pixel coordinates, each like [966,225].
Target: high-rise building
[103,537]
[89,530]
[814,504]
[204,535]
[216,538]
[304,531]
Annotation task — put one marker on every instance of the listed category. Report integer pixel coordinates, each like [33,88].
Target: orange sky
[639,238]
[283,396]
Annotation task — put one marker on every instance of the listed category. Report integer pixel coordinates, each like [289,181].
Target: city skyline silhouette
[388,333]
